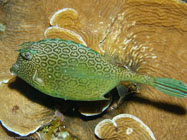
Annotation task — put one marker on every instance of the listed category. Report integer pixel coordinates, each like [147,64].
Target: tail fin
[170,86]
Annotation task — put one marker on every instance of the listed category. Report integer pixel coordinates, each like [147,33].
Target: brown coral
[158,28]
[20,113]
[123,127]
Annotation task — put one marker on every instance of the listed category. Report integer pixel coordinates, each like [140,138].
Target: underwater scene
[93,70]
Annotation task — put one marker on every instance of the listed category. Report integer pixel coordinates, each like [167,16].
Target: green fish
[68,70]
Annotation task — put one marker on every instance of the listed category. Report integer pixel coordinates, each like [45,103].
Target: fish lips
[14,69]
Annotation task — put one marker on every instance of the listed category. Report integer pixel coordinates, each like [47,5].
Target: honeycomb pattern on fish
[69,70]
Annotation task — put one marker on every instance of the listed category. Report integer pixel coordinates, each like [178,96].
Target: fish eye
[27,55]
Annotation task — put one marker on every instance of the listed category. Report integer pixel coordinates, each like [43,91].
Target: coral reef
[143,36]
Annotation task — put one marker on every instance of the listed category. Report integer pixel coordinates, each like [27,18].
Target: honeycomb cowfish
[68,70]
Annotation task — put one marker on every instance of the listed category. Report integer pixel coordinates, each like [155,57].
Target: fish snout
[14,69]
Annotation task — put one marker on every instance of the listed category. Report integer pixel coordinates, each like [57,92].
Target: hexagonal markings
[64,56]
[52,85]
[78,93]
[36,46]
[73,83]
[98,59]
[99,83]
[83,58]
[70,91]
[50,69]
[53,55]
[72,61]
[95,93]
[108,76]
[112,71]
[73,46]
[91,62]
[51,62]
[99,66]
[47,84]
[92,84]
[44,70]
[100,73]
[57,50]
[100,91]
[44,57]
[42,44]
[29,66]
[106,69]
[82,50]
[66,77]
[62,44]
[57,68]
[60,85]
[91,54]
[92,69]
[53,44]
[74,54]
[44,64]
[30,74]
[47,49]
[58,75]
[81,88]
[37,65]
[50,76]
[104,63]
[83,81]
[66,50]
[62,63]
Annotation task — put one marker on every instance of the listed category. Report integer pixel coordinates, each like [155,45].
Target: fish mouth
[14,69]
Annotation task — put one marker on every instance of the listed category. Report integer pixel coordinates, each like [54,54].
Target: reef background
[161,23]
